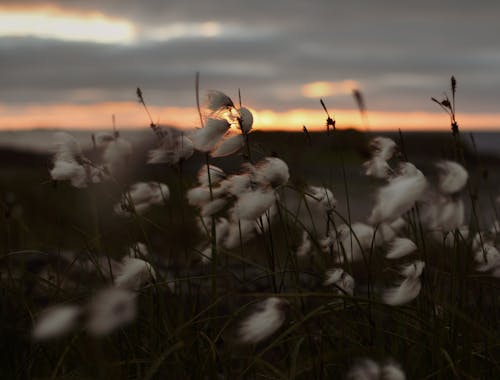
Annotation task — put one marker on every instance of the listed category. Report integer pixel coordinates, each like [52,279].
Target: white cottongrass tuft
[383,147]
[245,120]
[117,153]
[463,234]
[138,250]
[305,246]
[134,273]
[240,232]
[56,321]
[199,196]
[69,171]
[355,241]
[206,139]
[271,171]
[399,195]
[172,150]
[377,167]
[322,196]
[216,175]
[413,270]
[66,147]
[487,258]
[444,213]
[213,207]
[218,100]
[367,369]
[452,177]
[69,163]
[253,204]
[142,195]
[409,289]
[392,371]
[237,184]
[341,279]
[229,146]
[401,247]
[110,309]
[264,322]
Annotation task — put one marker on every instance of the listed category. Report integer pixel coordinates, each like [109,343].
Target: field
[264,276]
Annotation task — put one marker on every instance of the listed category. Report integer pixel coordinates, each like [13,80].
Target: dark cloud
[402,53]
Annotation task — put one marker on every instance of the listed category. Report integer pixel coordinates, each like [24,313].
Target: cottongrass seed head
[110,309]
[134,273]
[56,321]
[401,247]
[264,322]
[452,177]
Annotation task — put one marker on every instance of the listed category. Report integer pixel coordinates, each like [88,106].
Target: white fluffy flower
[383,147]
[216,175]
[377,167]
[217,100]
[399,195]
[134,273]
[245,120]
[264,322]
[56,321]
[368,369]
[69,171]
[355,241]
[237,184]
[172,150]
[452,177]
[322,196]
[401,247]
[213,207]
[66,147]
[110,309]
[206,139]
[340,278]
[117,153]
[305,246]
[240,232]
[251,205]
[487,258]
[365,369]
[229,146]
[409,289]
[271,171]
[142,195]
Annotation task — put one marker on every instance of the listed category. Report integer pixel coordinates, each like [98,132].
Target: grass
[189,316]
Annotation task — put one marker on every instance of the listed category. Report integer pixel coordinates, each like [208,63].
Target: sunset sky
[74,63]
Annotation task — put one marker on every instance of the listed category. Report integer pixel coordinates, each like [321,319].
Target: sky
[74,63]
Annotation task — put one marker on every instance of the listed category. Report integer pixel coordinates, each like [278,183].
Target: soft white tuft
[305,245]
[264,322]
[216,175]
[399,195]
[110,309]
[271,171]
[56,321]
[205,139]
[134,273]
[245,120]
[229,146]
[452,177]
[401,247]
[253,204]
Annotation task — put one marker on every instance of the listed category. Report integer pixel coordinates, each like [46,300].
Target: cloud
[400,54]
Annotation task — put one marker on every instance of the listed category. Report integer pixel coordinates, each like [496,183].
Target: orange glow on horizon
[323,89]
[131,115]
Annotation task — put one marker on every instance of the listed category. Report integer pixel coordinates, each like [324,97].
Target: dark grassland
[450,331]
